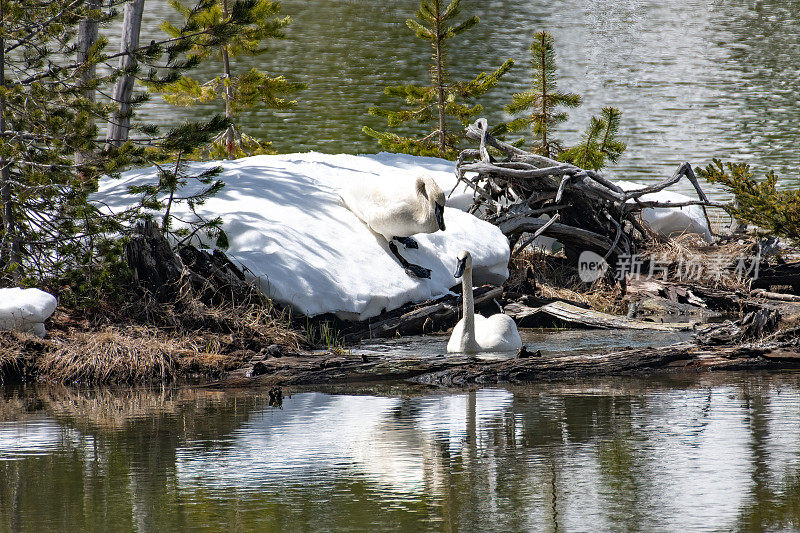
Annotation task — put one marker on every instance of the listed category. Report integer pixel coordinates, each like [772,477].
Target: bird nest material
[586,211]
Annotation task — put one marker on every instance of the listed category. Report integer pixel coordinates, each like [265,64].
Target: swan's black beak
[462,264]
[439,210]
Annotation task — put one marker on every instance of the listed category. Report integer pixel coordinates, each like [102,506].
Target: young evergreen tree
[544,101]
[757,202]
[45,120]
[599,143]
[433,104]
[254,23]
[544,107]
[174,175]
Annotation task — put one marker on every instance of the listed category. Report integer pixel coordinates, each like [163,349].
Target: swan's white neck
[468,336]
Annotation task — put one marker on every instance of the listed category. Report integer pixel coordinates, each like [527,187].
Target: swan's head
[431,191]
[464,263]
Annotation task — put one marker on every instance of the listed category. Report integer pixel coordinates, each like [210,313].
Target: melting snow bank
[25,309]
[670,221]
[287,225]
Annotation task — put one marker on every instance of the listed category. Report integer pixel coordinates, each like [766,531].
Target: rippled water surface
[705,453]
[695,79]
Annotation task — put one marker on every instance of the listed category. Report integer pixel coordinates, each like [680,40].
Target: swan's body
[398,210]
[476,333]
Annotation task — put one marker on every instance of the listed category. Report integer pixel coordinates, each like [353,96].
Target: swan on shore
[476,333]
[397,211]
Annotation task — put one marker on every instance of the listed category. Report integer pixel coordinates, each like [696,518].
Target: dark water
[705,453]
[695,79]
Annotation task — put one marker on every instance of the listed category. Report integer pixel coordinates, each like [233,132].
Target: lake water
[695,79]
[713,452]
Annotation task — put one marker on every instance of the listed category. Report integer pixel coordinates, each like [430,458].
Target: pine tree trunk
[120,124]
[226,63]
[87,36]
[9,251]
[545,147]
[440,78]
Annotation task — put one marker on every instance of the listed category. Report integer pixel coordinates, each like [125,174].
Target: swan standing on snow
[396,211]
[476,333]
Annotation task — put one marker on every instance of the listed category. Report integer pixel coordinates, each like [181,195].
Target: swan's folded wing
[497,333]
[389,211]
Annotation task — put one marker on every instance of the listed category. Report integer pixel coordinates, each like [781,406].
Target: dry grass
[123,356]
[552,277]
[687,259]
[17,354]
[146,342]
[690,259]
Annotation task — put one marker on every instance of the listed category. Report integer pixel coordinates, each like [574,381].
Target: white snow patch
[288,226]
[670,221]
[25,309]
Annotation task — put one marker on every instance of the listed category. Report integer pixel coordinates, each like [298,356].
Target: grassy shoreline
[143,342]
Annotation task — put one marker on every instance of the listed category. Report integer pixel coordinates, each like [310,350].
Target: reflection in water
[695,79]
[710,453]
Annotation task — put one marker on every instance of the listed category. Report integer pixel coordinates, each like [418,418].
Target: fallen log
[561,313]
[415,319]
[657,309]
[780,275]
[761,293]
[462,370]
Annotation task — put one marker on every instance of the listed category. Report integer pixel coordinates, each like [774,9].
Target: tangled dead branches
[586,211]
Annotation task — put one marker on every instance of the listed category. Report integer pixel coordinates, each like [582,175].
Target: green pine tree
[757,202]
[251,24]
[544,107]
[543,100]
[443,99]
[599,143]
[48,226]
[49,230]
[175,174]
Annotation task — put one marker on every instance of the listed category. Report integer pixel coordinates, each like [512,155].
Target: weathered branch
[592,211]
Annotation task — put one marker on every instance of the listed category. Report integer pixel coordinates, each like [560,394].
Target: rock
[259,368]
[523,352]
[273,350]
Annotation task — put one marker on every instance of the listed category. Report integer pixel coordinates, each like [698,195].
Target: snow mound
[25,309]
[671,221]
[288,227]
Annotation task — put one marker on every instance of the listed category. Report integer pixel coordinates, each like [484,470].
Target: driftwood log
[761,340]
[414,319]
[317,370]
[587,211]
[560,314]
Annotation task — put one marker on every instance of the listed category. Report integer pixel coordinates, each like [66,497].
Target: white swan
[396,211]
[476,333]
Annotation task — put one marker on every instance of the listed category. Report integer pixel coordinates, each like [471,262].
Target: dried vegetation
[144,341]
